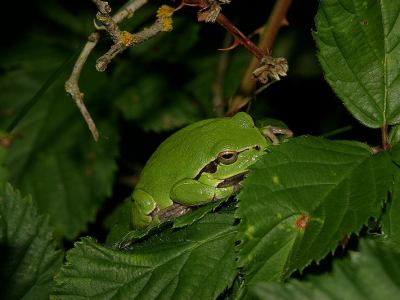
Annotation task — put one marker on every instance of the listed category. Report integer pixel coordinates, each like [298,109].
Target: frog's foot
[143,207]
[271,132]
[176,210]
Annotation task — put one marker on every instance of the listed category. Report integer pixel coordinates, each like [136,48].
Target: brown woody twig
[72,86]
[124,39]
[268,67]
[121,39]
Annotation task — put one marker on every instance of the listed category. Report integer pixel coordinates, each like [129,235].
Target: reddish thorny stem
[239,37]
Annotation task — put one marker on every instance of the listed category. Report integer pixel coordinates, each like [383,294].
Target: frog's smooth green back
[187,151]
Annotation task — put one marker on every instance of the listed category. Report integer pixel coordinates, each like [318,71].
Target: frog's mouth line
[233,180]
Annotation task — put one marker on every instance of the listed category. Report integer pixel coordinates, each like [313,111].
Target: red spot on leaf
[6,142]
[302,221]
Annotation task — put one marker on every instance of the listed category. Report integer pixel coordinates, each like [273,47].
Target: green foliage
[358,49]
[372,273]
[68,179]
[390,224]
[335,188]
[28,259]
[195,262]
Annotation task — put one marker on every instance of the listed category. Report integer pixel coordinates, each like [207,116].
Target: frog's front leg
[142,207]
[191,192]
[271,132]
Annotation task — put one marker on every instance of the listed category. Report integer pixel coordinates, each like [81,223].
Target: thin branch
[268,66]
[72,84]
[128,10]
[126,39]
[103,16]
[276,20]
[206,8]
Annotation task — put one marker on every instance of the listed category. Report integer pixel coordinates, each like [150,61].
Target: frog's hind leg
[192,192]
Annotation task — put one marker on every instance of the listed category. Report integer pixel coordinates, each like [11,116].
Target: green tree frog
[200,163]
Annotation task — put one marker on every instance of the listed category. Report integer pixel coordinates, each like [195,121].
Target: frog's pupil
[227,156]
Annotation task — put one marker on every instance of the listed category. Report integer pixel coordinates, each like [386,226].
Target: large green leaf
[196,262]
[3,156]
[359,50]
[373,273]
[391,217]
[301,199]
[53,156]
[28,259]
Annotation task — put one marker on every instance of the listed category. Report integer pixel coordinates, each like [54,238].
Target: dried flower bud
[271,68]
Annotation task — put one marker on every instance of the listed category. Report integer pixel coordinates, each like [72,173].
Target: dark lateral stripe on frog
[232,180]
[208,168]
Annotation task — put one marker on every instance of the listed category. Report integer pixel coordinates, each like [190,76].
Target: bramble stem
[385,137]
[275,22]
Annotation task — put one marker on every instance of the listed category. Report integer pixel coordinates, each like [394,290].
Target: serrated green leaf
[358,43]
[122,236]
[301,199]
[3,169]
[373,273]
[195,215]
[28,258]
[394,136]
[391,216]
[395,154]
[53,156]
[196,262]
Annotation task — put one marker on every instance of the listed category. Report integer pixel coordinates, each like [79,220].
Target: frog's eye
[227,157]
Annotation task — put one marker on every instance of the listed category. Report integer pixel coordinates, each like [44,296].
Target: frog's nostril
[256,147]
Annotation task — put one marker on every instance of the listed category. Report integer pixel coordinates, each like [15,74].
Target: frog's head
[240,145]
